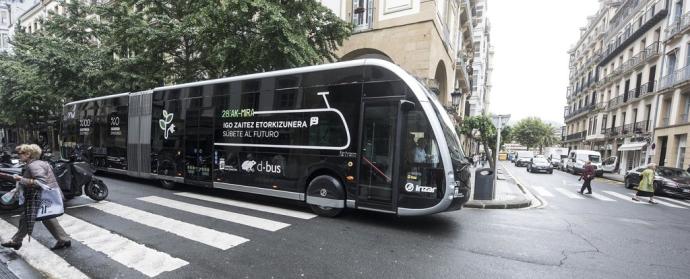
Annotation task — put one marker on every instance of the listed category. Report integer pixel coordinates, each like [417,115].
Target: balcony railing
[652,50]
[641,127]
[681,24]
[654,13]
[615,101]
[678,76]
[576,136]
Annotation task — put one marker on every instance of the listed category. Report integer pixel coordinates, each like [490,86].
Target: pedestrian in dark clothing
[588,176]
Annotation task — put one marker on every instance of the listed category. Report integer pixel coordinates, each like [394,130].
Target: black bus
[358,134]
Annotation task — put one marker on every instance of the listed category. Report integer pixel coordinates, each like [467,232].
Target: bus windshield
[447,126]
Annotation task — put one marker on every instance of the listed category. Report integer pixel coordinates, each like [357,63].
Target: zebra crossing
[142,257]
[604,196]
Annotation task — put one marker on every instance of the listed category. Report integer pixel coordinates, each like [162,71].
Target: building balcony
[675,78]
[575,136]
[642,127]
[578,112]
[652,51]
[678,27]
[653,15]
[615,101]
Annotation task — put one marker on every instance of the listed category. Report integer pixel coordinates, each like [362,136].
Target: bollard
[484,184]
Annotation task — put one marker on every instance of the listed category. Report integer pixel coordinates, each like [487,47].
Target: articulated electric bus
[358,134]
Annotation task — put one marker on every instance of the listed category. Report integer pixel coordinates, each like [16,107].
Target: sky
[531,39]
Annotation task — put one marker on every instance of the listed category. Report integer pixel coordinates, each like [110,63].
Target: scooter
[71,175]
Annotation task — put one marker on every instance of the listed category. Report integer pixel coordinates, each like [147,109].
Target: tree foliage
[533,132]
[132,45]
[482,129]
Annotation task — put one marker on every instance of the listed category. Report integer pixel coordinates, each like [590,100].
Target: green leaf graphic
[162,124]
[169,118]
[165,114]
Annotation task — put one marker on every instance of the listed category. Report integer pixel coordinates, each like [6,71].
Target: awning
[632,146]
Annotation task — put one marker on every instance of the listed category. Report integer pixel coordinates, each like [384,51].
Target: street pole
[498,122]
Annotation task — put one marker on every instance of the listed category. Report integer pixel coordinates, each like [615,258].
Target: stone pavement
[508,193]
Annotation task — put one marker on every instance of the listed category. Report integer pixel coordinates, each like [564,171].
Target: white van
[577,159]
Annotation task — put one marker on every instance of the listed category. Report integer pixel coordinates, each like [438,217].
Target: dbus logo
[262,166]
[163,123]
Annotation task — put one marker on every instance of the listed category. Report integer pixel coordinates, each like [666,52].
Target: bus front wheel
[326,196]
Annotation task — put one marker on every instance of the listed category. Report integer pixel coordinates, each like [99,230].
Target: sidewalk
[509,194]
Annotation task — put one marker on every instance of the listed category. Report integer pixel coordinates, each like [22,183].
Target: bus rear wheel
[326,196]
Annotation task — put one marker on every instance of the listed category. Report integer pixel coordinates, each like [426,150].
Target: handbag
[51,205]
[9,197]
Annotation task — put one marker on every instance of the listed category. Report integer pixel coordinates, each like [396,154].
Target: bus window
[422,161]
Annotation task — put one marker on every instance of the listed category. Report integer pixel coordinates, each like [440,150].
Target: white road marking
[193,232]
[125,251]
[675,201]
[258,207]
[601,197]
[668,204]
[622,197]
[569,194]
[251,221]
[40,257]
[542,191]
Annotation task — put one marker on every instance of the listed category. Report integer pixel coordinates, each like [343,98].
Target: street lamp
[499,121]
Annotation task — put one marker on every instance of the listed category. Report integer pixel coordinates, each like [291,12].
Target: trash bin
[484,184]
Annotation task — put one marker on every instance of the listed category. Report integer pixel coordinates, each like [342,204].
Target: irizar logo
[163,123]
[410,187]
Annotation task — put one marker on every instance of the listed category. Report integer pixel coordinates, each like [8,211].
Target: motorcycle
[74,178]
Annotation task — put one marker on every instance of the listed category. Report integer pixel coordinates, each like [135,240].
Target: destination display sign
[321,128]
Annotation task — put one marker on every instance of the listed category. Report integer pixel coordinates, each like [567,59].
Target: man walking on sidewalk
[588,176]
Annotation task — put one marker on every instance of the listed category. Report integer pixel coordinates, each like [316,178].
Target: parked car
[523,158]
[577,159]
[672,182]
[539,165]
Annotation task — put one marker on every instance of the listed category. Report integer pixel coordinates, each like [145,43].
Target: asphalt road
[145,231]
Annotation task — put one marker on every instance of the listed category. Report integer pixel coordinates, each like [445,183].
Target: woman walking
[36,171]
[646,187]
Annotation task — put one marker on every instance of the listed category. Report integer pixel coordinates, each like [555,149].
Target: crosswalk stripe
[542,191]
[602,197]
[675,201]
[629,198]
[41,258]
[127,252]
[247,220]
[668,204]
[621,196]
[568,193]
[193,232]
[258,207]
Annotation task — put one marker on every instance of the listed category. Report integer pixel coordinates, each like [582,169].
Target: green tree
[189,40]
[131,45]
[481,129]
[533,132]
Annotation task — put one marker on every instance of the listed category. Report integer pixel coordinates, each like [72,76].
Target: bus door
[379,154]
[198,142]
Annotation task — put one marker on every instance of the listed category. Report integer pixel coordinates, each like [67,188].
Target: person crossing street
[646,187]
[588,176]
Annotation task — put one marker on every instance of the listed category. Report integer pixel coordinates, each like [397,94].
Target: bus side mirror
[406,105]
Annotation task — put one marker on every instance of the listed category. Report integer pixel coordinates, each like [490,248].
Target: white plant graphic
[163,123]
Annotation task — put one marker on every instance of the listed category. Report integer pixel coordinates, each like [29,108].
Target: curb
[13,266]
[492,204]
[505,204]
